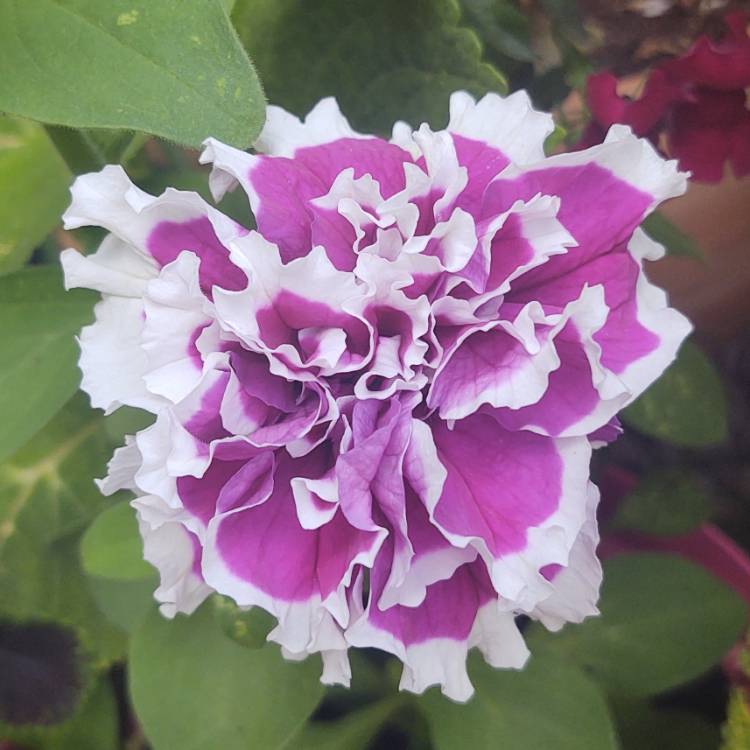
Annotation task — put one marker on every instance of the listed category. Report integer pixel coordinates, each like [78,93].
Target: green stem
[78,150]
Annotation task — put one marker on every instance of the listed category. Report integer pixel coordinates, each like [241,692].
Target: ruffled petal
[494,498]
[116,268]
[112,360]
[433,639]
[157,227]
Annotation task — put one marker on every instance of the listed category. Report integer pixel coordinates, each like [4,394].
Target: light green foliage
[384,61]
[38,372]
[173,68]
[664,503]
[194,688]
[47,496]
[112,547]
[663,621]
[687,406]
[550,704]
[34,188]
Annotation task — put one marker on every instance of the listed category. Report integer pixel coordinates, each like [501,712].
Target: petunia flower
[374,414]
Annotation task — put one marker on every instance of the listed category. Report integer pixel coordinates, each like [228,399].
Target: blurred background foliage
[86,663]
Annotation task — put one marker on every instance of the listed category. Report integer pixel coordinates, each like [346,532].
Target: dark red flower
[696,101]
[722,64]
[644,114]
[710,130]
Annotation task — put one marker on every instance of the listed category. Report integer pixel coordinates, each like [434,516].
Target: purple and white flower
[375,412]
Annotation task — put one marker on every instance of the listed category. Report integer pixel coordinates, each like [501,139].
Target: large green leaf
[384,61]
[549,704]
[194,688]
[686,406]
[38,352]
[665,503]
[663,622]
[47,496]
[34,185]
[170,67]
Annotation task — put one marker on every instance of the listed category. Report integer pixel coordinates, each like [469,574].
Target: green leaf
[383,61]
[665,503]
[126,420]
[124,603]
[663,622]
[663,231]
[687,406]
[351,732]
[38,352]
[94,727]
[193,688]
[248,627]
[34,184]
[47,496]
[173,68]
[644,727]
[548,704]
[503,28]
[112,548]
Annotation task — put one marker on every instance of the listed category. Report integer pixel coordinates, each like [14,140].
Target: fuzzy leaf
[383,61]
[173,68]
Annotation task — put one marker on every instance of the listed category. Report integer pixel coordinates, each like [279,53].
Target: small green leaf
[112,548]
[398,65]
[34,184]
[193,688]
[663,622]
[687,406]
[548,704]
[248,627]
[124,603]
[660,229]
[38,352]
[665,503]
[173,68]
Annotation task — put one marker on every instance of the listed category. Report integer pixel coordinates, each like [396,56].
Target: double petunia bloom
[375,412]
